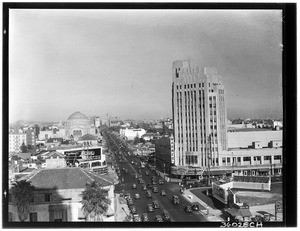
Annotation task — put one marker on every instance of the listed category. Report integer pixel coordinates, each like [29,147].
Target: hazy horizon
[119,62]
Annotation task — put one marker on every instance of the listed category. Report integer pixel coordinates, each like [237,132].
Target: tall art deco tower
[199,115]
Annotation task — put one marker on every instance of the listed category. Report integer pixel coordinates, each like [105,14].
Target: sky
[119,62]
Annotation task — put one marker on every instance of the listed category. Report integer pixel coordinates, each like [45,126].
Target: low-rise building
[57,195]
[130,134]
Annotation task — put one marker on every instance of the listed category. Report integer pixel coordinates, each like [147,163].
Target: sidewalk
[120,206]
[207,211]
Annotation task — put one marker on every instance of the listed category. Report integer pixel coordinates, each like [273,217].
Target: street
[123,160]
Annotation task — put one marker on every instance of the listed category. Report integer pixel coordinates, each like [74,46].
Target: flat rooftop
[249,129]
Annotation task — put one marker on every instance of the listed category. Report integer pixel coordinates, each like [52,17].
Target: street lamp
[208,157]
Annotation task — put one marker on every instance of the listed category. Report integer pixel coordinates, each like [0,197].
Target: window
[47,197]
[228,159]
[224,160]
[256,158]
[247,158]
[267,157]
[239,159]
[33,217]
[31,199]
[278,157]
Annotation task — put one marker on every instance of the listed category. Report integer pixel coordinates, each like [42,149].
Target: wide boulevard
[122,158]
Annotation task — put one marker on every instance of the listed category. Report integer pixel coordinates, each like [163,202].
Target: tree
[23,148]
[95,201]
[21,192]
[136,140]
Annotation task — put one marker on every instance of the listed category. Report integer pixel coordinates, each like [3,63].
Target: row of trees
[95,200]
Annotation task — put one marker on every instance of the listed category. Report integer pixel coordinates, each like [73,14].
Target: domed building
[78,125]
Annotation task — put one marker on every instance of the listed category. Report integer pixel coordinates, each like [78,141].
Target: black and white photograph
[162,115]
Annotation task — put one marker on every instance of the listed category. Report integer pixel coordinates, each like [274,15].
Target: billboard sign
[219,193]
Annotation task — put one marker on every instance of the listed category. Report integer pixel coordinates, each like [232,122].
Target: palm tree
[94,201]
[21,192]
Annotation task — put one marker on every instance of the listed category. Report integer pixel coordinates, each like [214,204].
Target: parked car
[137,196]
[129,202]
[158,218]
[127,195]
[145,217]
[188,209]
[160,182]
[144,187]
[136,218]
[150,208]
[147,173]
[166,216]
[195,207]
[133,209]
[156,204]
[134,186]
[149,185]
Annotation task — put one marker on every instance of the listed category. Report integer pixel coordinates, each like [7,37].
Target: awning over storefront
[264,170]
[217,172]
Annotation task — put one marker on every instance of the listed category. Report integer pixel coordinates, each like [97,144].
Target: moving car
[147,173]
[145,217]
[158,218]
[148,194]
[163,193]
[155,189]
[137,196]
[166,216]
[144,187]
[155,204]
[160,182]
[134,186]
[188,209]
[175,199]
[150,208]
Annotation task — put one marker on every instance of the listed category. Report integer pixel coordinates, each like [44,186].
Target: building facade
[164,154]
[16,140]
[199,115]
[31,137]
[78,125]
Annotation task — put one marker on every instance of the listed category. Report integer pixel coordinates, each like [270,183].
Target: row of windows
[248,158]
[188,86]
